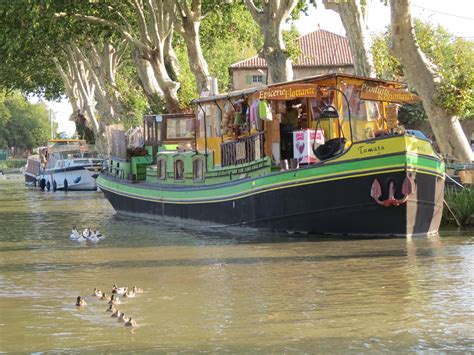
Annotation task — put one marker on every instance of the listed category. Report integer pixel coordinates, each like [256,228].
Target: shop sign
[288,92]
[374,92]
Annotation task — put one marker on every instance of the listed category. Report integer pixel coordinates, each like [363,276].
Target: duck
[80,302]
[137,289]
[116,314]
[119,290]
[121,318]
[114,300]
[99,235]
[105,297]
[130,323]
[129,294]
[111,308]
[96,293]
[86,233]
[93,238]
[74,233]
[81,239]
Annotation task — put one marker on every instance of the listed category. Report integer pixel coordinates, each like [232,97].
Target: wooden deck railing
[243,150]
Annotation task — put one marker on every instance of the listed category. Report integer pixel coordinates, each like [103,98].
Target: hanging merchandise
[217,121]
[245,110]
[227,119]
[238,118]
[265,111]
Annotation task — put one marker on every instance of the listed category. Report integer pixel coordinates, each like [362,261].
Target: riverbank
[11,166]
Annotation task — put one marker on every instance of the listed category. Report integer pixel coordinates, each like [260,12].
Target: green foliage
[386,65]
[292,48]
[461,203]
[409,114]
[23,125]
[134,101]
[12,163]
[454,60]
[187,90]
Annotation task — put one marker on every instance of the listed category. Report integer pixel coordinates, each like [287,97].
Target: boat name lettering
[366,149]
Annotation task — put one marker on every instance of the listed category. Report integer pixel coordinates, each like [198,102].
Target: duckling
[137,289]
[111,308]
[121,318]
[96,293]
[129,294]
[119,290]
[114,300]
[116,314]
[130,323]
[74,234]
[80,302]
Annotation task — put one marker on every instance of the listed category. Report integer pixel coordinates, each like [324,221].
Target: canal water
[219,290]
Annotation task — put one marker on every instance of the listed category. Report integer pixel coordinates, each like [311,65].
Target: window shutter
[248,79]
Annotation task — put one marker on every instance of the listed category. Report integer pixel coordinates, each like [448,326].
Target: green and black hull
[335,197]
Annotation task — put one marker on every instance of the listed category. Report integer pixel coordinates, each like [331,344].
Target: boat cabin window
[161,169]
[180,128]
[198,169]
[179,169]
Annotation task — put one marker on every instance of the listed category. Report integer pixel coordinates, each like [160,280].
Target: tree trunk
[353,15]
[421,74]
[147,78]
[270,18]
[171,60]
[168,86]
[187,16]
[197,63]
[279,64]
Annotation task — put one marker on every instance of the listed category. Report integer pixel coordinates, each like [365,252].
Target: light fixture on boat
[329,112]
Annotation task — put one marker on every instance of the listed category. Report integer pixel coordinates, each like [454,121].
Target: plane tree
[440,105]
[270,17]
[353,14]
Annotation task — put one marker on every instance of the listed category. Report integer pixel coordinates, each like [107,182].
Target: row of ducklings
[88,234]
[113,300]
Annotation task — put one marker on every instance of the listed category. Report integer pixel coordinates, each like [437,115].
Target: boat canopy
[371,89]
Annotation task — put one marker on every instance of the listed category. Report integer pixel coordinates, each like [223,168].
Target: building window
[179,169]
[257,78]
[198,169]
[161,169]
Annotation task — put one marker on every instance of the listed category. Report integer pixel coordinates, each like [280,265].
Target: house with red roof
[322,52]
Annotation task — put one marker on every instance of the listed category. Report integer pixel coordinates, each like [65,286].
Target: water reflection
[215,290]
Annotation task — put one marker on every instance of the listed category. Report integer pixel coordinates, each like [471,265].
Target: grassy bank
[461,203]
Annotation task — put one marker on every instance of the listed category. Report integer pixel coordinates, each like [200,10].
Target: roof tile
[318,48]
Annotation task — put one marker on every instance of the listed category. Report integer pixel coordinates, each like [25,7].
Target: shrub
[461,203]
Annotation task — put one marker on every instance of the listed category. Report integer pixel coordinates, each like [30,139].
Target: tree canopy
[22,124]
[453,57]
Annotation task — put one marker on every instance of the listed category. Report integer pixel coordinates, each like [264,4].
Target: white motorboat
[69,164]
